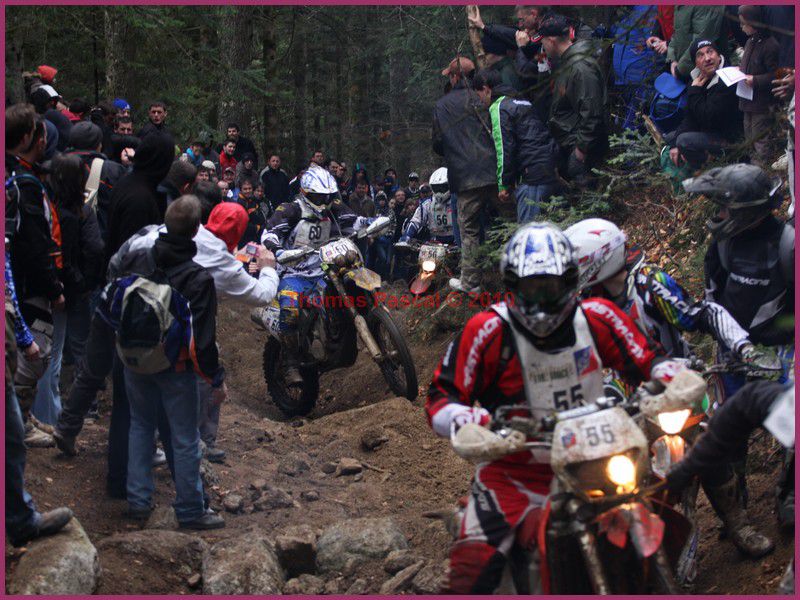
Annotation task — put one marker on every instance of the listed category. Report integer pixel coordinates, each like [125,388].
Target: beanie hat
[228,222]
[121,104]
[697,44]
[85,135]
[46,73]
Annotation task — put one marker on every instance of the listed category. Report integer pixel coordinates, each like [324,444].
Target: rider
[315,215]
[662,309]
[546,350]
[433,218]
[749,267]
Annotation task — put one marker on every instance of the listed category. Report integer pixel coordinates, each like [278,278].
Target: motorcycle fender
[365,279]
[646,529]
[420,285]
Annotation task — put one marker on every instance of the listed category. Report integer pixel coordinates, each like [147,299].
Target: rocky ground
[329,504]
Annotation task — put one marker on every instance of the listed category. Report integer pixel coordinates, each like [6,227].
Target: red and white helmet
[600,249]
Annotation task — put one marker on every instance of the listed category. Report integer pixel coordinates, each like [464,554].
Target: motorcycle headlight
[621,471]
[428,265]
[673,422]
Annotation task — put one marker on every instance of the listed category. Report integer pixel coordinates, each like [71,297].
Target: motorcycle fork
[361,323]
[588,546]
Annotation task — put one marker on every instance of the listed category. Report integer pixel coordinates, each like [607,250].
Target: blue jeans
[22,519]
[79,318]
[529,199]
[381,256]
[47,403]
[177,393]
[291,292]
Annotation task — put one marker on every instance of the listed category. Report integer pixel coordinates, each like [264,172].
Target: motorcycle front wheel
[398,366]
[292,402]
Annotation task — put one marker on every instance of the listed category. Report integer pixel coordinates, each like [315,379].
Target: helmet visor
[319,199]
[548,293]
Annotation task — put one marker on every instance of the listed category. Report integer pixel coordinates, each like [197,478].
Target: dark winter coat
[760,59]
[276,186]
[82,249]
[712,108]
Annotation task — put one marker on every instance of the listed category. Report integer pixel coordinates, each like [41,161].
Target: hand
[763,362]
[127,155]
[476,20]
[522,38]
[252,268]
[581,156]
[675,156]
[783,88]
[673,68]
[58,304]
[504,196]
[749,80]
[220,394]
[466,415]
[31,351]
[652,41]
[700,80]
[264,258]
[678,478]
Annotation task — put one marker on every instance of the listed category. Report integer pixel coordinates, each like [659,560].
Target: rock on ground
[246,564]
[162,517]
[297,550]
[348,466]
[397,560]
[358,540]
[233,503]
[429,580]
[64,563]
[136,561]
[402,580]
[306,585]
[358,587]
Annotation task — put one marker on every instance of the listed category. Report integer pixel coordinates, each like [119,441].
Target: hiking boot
[784,505]
[65,443]
[724,499]
[41,426]
[210,520]
[36,438]
[50,522]
[139,513]
[214,455]
[159,458]
[459,286]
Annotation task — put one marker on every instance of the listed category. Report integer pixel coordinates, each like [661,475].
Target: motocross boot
[290,348]
[724,499]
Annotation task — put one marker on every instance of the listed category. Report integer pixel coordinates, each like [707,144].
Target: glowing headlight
[428,266]
[673,422]
[621,471]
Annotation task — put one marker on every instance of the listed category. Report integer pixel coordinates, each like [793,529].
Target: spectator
[276,182]
[243,145]
[175,389]
[210,169]
[157,117]
[258,194]
[360,201]
[85,141]
[104,115]
[360,175]
[246,169]
[227,158]
[228,177]
[333,168]
[461,127]
[412,191]
[30,219]
[123,108]
[498,59]
[208,194]
[78,110]
[663,29]
[122,143]
[195,153]
[759,62]
[134,201]
[123,126]
[179,181]
[526,153]
[380,252]
[341,178]
[317,158]
[578,108]
[399,202]
[225,191]
[390,184]
[257,214]
[23,522]
[712,117]
[694,23]
[45,99]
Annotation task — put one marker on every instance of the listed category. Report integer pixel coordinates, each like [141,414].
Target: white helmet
[438,181]
[540,268]
[600,249]
[318,186]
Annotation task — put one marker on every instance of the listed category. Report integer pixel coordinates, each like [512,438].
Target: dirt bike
[600,499]
[434,264]
[331,324]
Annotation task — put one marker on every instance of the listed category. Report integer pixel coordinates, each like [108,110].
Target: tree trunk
[235,27]
[270,117]
[299,67]
[117,60]
[14,59]
[475,38]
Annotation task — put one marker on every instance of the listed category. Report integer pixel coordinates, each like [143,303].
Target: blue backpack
[669,103]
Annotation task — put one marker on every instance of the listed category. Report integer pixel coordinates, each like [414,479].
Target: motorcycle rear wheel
[398,367]
[292,402]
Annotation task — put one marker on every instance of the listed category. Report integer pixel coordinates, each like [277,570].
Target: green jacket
[691,23]
[578,107]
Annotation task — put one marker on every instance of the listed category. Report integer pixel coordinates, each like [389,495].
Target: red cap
[48,74]
[227,221]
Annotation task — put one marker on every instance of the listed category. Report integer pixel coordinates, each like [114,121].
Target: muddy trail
[408,471]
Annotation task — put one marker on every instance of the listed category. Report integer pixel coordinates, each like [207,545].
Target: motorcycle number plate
[330,251]
[272,319]
[432,252]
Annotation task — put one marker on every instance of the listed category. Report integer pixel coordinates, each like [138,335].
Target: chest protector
[311,230]
[569,378]
[440,216]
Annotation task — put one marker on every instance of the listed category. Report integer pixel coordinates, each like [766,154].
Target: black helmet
[745,190]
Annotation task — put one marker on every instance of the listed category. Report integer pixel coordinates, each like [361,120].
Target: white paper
[731,75]
[780,421]
[744,91]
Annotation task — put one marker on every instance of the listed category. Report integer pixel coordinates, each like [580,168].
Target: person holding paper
[712,119]
[759,62]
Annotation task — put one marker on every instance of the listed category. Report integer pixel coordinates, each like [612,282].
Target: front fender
[365,279]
